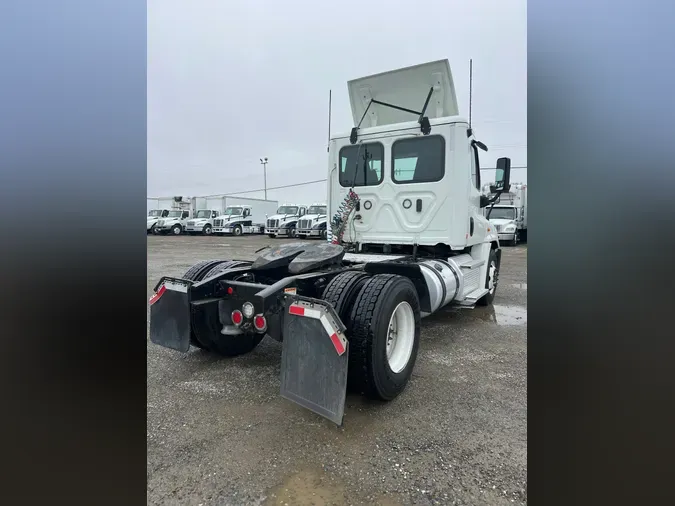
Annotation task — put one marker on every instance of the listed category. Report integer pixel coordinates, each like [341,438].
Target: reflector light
[259,322]
[237,317]
[247,309]
[230,290]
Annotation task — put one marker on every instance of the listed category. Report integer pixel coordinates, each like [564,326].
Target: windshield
[204,213]
[288,210]
[156,213]
[503,213]
[233,211]
[174,214]
[317,210]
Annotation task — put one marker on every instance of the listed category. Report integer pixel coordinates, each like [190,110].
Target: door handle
[419,205]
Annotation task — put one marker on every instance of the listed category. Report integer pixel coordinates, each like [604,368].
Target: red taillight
[237,317]
[260,323]
[230,290]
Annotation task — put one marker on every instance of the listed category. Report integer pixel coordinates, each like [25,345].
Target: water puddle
[308,487]
[510,315]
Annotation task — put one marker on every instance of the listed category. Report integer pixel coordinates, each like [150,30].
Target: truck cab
[153,217]
[509,214]
[417,178]
[284,222]
[234,218]
[202,222]
[173,222]
[314,223]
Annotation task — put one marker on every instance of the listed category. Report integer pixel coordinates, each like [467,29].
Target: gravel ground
[219,433]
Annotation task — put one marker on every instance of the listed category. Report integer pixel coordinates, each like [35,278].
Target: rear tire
[205,319]
[491,280]
[207,325]
[342,290]
[196,273]
[370,329]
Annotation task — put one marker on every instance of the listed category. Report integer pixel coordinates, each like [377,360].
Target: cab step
[472,264]
[472,298]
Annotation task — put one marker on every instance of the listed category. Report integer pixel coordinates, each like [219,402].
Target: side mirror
[502,176]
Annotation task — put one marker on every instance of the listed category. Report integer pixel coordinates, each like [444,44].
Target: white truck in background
[175,220]
[163,207]
[245,217]
[205,210]
[509,214]
[314,223]
[284,222]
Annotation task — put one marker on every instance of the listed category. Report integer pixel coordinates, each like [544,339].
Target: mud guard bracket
[170,314]
[314,357]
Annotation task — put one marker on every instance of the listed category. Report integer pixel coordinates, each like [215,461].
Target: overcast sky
[231,82]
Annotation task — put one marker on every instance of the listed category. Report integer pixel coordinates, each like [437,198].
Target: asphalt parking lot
[218,432]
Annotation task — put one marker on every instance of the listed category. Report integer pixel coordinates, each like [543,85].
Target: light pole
[263,161]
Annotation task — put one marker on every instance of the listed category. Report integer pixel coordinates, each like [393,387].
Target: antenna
[330,96]
[470,88]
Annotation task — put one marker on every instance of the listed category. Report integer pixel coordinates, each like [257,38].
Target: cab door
[478,224]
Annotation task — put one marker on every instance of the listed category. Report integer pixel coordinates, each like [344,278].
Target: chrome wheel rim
[400,337]
[492,277]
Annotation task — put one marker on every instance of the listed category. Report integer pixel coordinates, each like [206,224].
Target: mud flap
[314,357]
[170,314]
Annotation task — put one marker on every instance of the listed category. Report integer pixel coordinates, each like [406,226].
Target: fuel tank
[444,280]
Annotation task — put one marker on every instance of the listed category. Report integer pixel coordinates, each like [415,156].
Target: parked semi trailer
[407,237]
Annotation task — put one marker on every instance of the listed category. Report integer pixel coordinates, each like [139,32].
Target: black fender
[289,224]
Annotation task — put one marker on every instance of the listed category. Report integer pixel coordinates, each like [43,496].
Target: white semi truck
[175,220]
[509,214]
[245,218]
[314,223]
[166,208]
[208,209]
[284,222]
[407,237]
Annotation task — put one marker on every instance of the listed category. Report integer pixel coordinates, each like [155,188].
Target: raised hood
[407,87]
